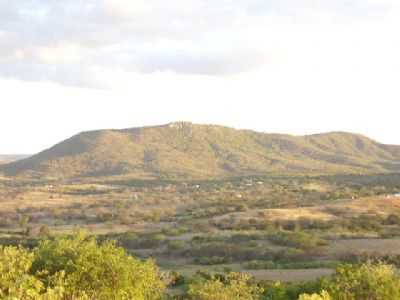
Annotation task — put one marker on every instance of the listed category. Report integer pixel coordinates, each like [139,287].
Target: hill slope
[185,150]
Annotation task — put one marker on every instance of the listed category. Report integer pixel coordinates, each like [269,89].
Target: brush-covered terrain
[271,237]
[202,213]
[184,150]
[287,228]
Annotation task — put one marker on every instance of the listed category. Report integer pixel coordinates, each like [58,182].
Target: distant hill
[7,158]
[183,150]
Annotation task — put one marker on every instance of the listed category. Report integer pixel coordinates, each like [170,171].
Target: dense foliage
[235,286]
[323,296]
[367,282]
[76,268]
[80,268]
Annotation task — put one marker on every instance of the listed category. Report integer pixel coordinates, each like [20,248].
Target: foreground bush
[323,296]
[79,268]
[15,280]
[234,287]
[364,282]
[76,268]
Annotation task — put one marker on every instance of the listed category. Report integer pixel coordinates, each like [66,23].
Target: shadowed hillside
[184,150]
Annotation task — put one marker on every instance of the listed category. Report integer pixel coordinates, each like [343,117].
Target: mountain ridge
[183,150]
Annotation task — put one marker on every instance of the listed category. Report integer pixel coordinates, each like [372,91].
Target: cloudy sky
[290,66]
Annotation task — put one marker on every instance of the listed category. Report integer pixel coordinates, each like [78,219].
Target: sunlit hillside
[184,150]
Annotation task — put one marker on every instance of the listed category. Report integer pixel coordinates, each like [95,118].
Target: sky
[282,66]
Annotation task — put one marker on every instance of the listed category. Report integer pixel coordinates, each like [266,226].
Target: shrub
[367,281]
[260,265]
[235,252]
[323,296]
[296,239]
[176,245]
[266,265]
[44,231]
[213,260]
[290,291]
[234,287]
[176,279]
[392,219]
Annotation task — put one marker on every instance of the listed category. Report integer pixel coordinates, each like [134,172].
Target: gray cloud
[67,41]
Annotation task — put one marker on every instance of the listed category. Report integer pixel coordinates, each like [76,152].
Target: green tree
[323,296]
[101,271]
[367,282]
[15,280]
[235,287]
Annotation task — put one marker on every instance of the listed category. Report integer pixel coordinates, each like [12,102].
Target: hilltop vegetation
[185,150]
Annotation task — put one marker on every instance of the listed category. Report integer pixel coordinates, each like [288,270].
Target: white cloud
[122,9]
[279,65]
[64,53]
[191,36]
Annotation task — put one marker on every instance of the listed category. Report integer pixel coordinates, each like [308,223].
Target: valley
[274,228]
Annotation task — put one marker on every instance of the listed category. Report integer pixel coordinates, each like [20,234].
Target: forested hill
[184,150]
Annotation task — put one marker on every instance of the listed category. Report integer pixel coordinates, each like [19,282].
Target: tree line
[79,267]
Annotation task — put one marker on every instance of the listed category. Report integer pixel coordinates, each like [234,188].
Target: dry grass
[380,205]
[312,186]
[387,246]
[312,213]
[383,205]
